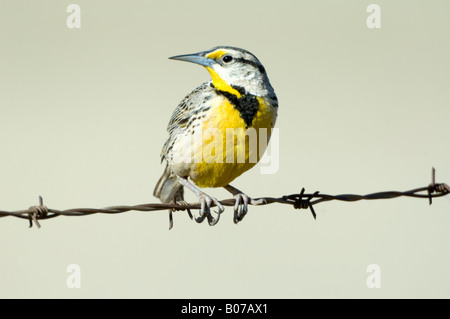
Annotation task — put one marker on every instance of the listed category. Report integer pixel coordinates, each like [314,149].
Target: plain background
[83,115]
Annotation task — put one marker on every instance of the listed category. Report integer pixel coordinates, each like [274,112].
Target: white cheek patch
[223,73]
[250,75]
[235,75]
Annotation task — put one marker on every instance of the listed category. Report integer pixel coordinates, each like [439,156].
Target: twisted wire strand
[300,200]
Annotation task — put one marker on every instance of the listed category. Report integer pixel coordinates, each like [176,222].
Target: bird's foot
[241,205]
[205,209]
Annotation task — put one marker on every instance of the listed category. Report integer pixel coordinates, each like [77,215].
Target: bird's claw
[205,209]
[241,206]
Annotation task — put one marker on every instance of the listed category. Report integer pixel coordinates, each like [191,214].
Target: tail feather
[168,188]
[162,180]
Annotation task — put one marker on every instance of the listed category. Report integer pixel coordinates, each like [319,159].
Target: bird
[237,103]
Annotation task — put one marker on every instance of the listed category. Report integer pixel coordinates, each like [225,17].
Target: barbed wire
[300,200]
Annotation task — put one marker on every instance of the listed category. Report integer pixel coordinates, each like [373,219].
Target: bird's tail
[168,187]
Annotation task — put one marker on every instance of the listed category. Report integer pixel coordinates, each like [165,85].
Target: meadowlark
[238,97]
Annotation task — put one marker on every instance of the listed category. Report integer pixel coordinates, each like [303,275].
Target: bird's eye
[227,58]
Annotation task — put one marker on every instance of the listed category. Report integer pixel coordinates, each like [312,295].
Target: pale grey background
[83,116]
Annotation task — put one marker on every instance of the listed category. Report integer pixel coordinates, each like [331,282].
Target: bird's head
[232,68]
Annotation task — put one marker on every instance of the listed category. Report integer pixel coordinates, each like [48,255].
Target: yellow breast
[228,147]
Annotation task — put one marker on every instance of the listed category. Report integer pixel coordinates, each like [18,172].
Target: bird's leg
[241,204]
[205,203]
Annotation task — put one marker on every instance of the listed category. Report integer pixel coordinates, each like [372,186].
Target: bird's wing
[192,104]
[187,108]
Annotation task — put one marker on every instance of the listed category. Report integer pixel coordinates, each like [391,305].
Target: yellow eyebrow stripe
[216,54]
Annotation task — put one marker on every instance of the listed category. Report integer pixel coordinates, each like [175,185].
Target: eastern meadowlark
[239,97]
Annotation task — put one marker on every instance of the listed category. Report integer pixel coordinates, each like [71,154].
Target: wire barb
[438,188]
[37,212]
[300,200]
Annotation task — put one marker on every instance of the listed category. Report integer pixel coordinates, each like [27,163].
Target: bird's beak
[198,58]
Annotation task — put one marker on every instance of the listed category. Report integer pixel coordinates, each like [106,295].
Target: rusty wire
[300,200]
